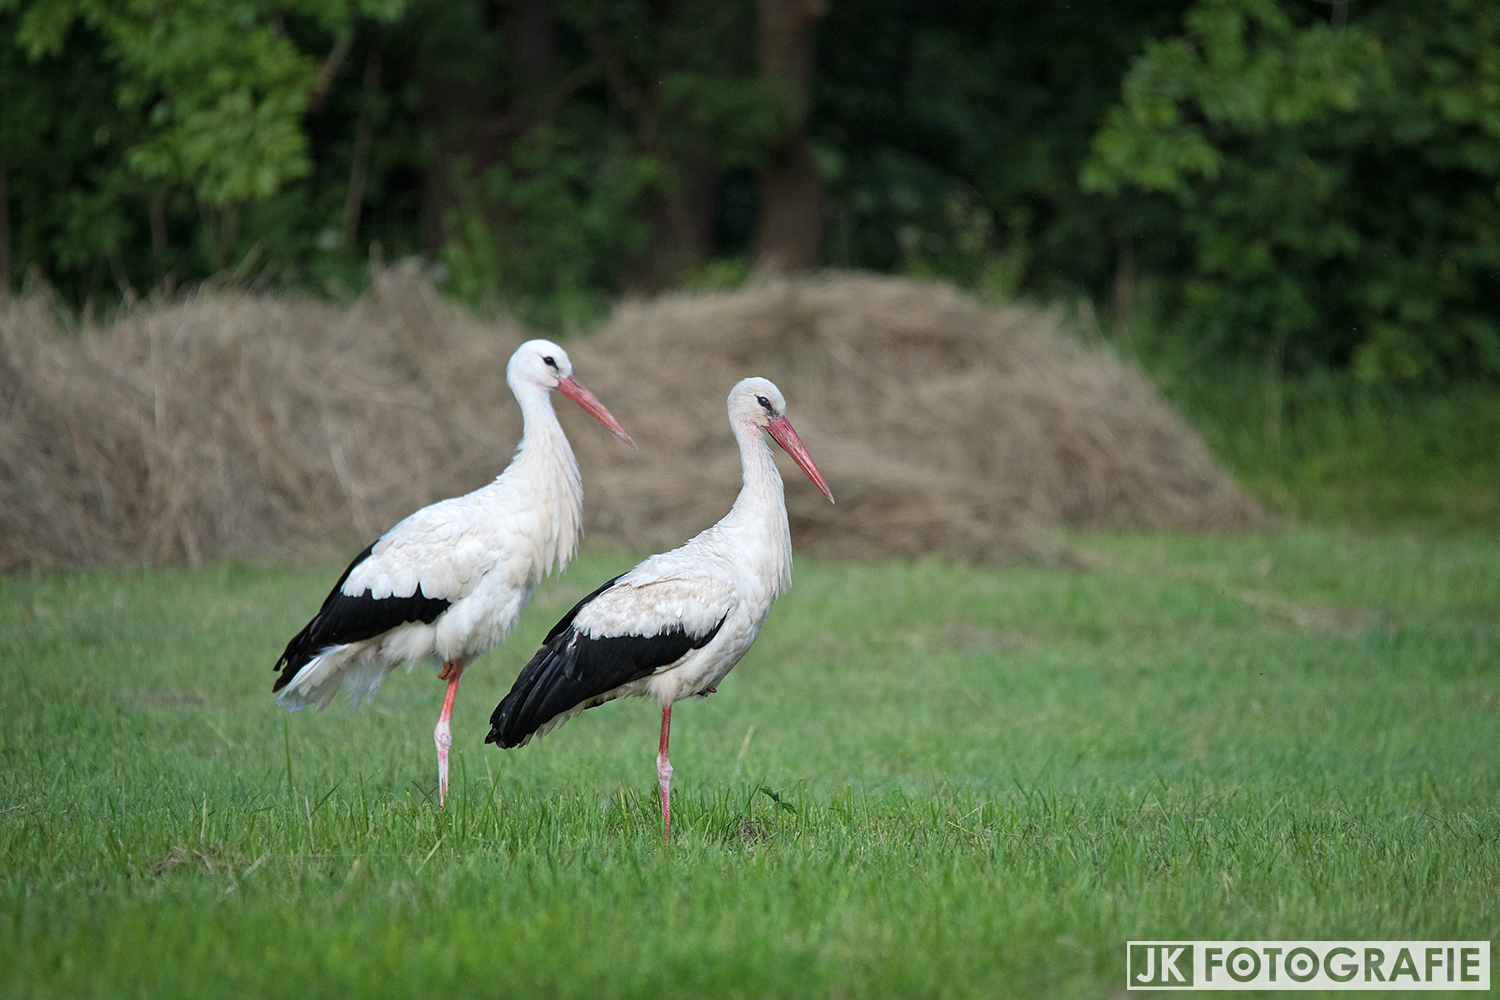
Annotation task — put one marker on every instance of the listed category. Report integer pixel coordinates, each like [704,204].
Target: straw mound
[940,426]
[236,424]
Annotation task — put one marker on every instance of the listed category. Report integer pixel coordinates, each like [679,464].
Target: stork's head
[758,402]
[543,363]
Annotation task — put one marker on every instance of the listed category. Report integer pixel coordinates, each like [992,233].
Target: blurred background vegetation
[1287,210]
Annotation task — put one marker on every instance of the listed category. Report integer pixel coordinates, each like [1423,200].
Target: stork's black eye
[765,404]
[550,362]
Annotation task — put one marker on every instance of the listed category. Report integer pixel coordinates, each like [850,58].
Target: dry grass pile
[239,425]
[942,427]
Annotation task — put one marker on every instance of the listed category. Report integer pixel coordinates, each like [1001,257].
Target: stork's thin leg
[664,775]
[443,735]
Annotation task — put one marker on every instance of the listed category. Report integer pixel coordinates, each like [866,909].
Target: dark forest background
[1314,184]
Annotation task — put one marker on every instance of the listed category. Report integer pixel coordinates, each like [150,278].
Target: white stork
[674,625]
[449,582]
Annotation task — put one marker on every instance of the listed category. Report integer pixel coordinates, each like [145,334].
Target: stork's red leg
[443,735]
[664,775]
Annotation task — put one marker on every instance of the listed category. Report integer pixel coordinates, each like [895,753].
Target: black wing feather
[352,619]
[571,669]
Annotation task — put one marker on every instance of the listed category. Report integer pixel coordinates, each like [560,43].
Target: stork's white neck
[539,426]
[758,517]
[544,475]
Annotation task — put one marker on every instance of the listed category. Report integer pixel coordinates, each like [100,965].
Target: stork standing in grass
[449,582]
[677,623]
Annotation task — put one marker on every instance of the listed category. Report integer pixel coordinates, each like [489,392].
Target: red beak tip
[574,390]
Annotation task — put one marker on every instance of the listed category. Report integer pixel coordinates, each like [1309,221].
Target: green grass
[960,782]
[1324,447]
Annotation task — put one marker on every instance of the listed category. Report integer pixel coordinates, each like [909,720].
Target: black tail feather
[344,619]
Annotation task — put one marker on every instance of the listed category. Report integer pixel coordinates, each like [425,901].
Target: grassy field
[923,781]
[1326,447]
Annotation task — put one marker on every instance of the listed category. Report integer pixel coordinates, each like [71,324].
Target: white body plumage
[450,581]
[678,622]
[729,573]
[484,552]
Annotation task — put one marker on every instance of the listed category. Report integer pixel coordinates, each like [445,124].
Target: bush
[1337,184]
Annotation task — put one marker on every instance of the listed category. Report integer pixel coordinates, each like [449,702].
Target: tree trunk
[4,232]
[789,225]
[682,228]
[354,197]
[453,113]
[529,30]
[1124,290]
[471,123]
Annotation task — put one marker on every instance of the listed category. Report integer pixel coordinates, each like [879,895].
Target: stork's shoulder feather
[446,549]
[663,593]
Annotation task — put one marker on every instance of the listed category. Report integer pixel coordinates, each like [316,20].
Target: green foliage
[950,138]
[1340,186]
[62,171]
[198,110]
[568,221]
[995,779]
[571,209]
[218,94]
[1272,183]
[952,135]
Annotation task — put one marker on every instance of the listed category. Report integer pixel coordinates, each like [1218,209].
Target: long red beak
[574,390]
[781,430]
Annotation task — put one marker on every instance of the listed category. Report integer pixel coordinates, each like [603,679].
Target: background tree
[196,112]
[952,135]
[1293,179]
[789,219]
[1336,180]
[574,150]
